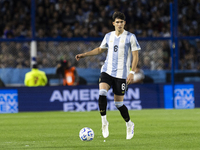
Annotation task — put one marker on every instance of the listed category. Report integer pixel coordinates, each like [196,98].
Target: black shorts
[118,85]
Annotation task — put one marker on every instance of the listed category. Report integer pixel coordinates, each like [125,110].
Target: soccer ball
[86,134]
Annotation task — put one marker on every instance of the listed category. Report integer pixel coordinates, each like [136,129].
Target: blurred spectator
[157,59]
[149,16]
[198,50]
[91,18]
[68,73]
[68,16]
[80,16]
[35,77]
[146,63]
[2,83]
[138,76]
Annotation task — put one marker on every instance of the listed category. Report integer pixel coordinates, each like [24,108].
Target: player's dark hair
[118,15]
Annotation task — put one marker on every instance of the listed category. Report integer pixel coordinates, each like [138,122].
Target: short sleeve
[104,43]
[134,43]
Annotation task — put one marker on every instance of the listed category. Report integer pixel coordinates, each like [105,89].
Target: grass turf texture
[154,129]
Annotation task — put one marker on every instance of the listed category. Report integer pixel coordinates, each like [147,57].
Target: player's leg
[125,114]
[118,100]
[103,89]
[119,88]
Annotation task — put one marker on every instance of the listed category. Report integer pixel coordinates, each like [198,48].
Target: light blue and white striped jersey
[118,60]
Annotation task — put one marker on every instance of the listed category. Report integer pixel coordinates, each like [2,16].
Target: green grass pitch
[155,129]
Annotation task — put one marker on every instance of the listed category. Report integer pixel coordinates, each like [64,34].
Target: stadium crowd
[92,18]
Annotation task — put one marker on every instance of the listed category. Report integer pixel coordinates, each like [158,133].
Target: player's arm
[135,59]
[93,52]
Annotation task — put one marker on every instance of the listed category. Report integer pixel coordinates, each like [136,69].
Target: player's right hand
[79,56]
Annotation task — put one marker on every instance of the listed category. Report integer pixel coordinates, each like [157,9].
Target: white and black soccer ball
[86,134]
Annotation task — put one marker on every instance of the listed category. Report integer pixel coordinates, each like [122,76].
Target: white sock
[103,119]
[128,123]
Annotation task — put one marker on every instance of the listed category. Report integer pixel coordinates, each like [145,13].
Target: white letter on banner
[94,94]
[178,93]
[73,96]
[80,106]
[68,106]
[3,97]
[84,95]
[10,98]
[133,94]
[109,95]
[56,96]
[92,106]
[188,94]
[136,105]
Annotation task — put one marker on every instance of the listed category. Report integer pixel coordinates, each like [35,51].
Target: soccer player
[116,72]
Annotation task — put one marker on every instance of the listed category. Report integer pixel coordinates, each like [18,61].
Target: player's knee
[119,104]
[102,92]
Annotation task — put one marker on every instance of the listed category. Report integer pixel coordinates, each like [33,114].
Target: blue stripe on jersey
[115,56]
[126,49]
[105,66]
[137,44]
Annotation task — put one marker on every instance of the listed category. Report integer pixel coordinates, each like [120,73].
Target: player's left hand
[129,79]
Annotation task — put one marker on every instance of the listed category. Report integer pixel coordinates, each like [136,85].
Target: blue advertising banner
[183,96]
[85,98]
[8,101]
